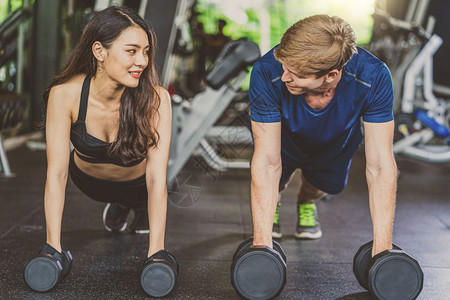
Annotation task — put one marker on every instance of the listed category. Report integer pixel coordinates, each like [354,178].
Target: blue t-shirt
[316,136]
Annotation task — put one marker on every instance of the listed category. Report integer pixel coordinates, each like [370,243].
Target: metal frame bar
[170,58]
[421,11]
[213,159]
[437,155]
[411,10]
[230,135]
[102,4]
[4,165]
[419,64]
[142,8]
[20,57]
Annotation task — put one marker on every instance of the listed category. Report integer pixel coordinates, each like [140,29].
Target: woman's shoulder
[162,93]
[66,96]
[71,89]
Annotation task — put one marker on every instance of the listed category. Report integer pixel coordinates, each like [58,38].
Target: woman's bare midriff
[110,171]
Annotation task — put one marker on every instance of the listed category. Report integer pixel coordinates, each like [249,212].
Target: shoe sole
[105,211]
[277,235]
[308,235]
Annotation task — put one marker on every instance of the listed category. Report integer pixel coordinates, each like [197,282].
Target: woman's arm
[156,176]
[58,150]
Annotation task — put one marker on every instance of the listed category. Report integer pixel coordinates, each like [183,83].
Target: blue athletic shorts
[330,178]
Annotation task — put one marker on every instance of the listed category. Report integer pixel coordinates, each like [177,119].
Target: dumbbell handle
[164,255]
[49,250]
[249,243]
[65,257]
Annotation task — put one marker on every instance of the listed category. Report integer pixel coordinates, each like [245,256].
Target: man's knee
[284,180]
[312,190]
[308,192]
[336,189]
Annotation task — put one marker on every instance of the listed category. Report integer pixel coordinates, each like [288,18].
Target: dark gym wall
[440,9]
[46,51]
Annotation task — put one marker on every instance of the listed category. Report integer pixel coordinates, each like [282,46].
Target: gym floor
[205,228]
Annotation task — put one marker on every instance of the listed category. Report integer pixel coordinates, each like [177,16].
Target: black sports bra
[88,147]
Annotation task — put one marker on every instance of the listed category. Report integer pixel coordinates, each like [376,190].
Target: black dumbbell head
[50,267]
[394,274]
[259,273]
[242,247]
[277,246]
[158,279]
[43,273]
[361,263]
[174,261]
[66,261]
[159,275]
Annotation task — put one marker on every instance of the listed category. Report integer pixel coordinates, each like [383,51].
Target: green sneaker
[308,226]
[276,230]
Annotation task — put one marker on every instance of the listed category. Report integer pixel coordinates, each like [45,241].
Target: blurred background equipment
[205,52]
[412,46]
[411,36]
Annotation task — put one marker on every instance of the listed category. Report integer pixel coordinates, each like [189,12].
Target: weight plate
[395,276]
[258,274]
[158,279]
[42,274]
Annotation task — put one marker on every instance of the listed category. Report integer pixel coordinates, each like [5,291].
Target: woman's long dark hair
[138,106]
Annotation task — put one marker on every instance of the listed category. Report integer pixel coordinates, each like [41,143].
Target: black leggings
[132,193]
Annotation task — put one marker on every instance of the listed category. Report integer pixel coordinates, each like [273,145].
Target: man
[307,96]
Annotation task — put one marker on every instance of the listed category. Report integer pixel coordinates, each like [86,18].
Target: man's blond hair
[317,45]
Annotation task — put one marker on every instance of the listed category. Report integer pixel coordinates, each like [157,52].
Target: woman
[108,103]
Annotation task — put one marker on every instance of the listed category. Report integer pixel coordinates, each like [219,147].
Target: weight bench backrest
[234,57]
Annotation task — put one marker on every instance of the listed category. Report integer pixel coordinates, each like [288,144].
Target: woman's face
[127,57]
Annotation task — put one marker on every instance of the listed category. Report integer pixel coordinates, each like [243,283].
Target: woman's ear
[99,51]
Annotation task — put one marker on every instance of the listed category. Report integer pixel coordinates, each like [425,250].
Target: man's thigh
[330,178]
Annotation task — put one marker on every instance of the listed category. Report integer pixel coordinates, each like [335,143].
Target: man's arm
[265,176]
[381,174]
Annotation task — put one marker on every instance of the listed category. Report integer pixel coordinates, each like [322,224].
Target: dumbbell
[258,272]
[159,274]
[48,269]
[391,274]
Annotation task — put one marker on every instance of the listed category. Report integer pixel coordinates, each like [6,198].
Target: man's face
[298,84]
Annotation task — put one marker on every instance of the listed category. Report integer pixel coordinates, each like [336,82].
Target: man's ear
[99,51]
[332,75]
